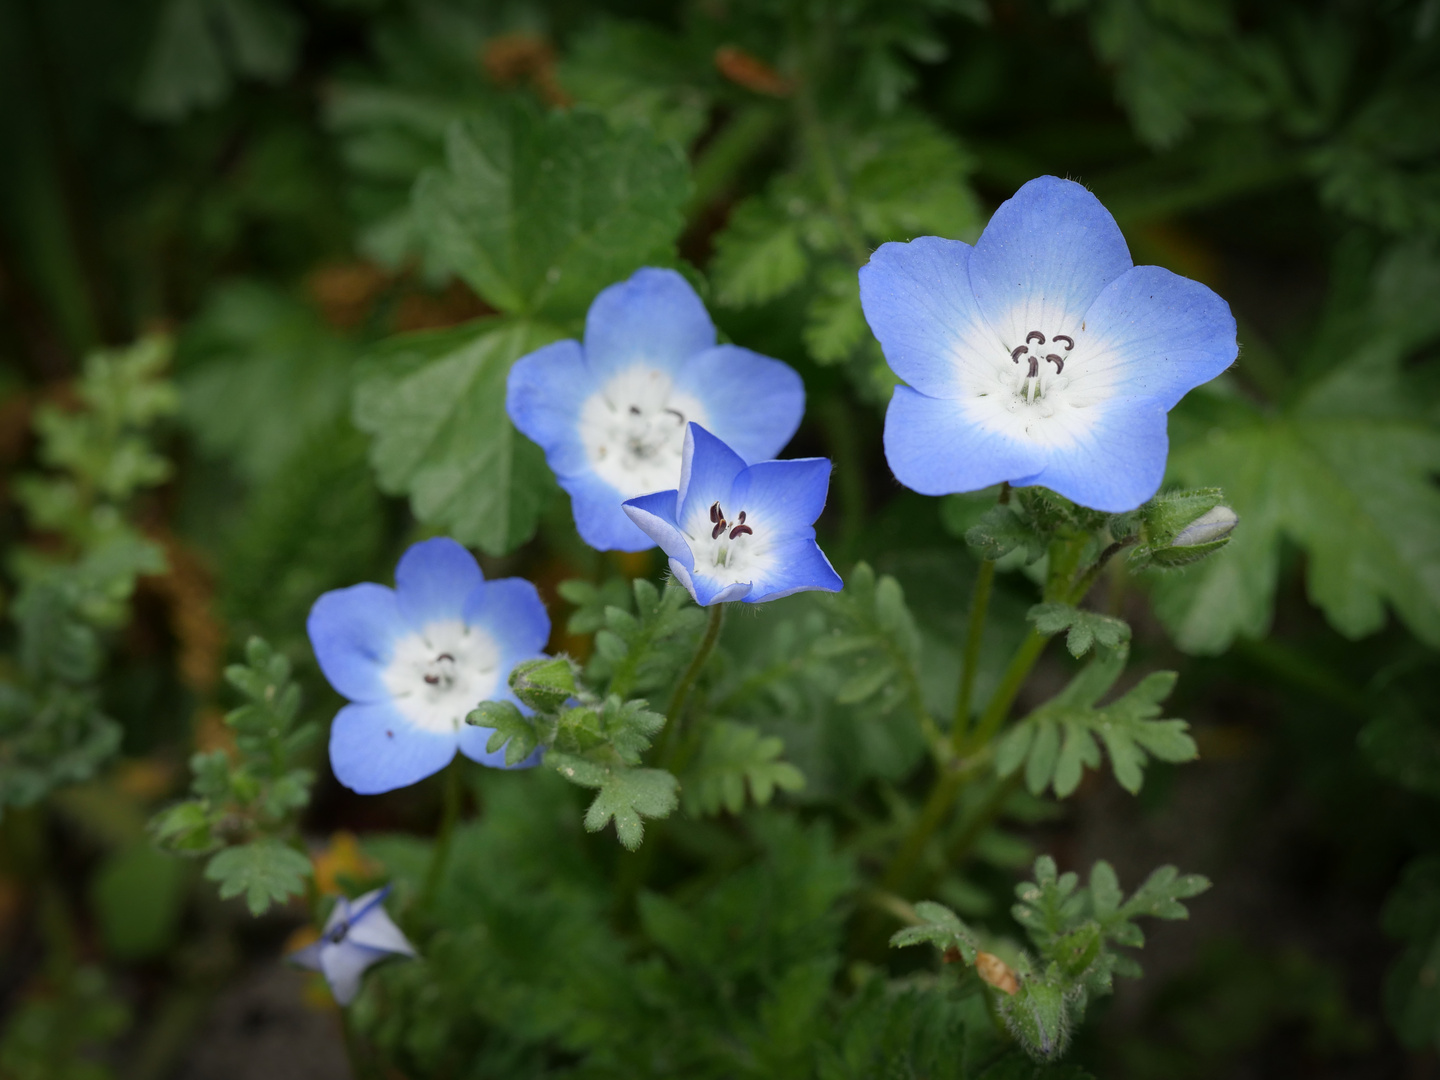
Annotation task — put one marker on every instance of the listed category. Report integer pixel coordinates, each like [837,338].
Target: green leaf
[1086,627]
[138,895]
[1064,730]
[731,757]
[434,404]
[1003,529]
[626,795]
[539,211]
[1346,473]
[544,684]
[758,257]
[642,652]
[942,928]
[1406,749]
[266,871]
[513,730]
[1412,992]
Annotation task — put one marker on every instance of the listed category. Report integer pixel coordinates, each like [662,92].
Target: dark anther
[634,410]
[1057,361]
[1034,368]
[389,734]
[715,511]
[677,414]
[741,518]
[1015,352]
[338,934]
[738,529]
[719,528]
[1036,335]
[433,680]
[445,656]
[1066,338]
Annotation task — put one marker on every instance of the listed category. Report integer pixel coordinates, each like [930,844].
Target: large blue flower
[414,660]
[358,933]
[739,532]
[1042,355]
[611,414]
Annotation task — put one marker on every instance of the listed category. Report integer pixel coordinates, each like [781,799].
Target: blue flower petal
[543,396]
[707,474]
[344,965]
[933,450]
[782,496]
[654,514]
[1153,334]
[353,632]
[1045,256]
[473,742]
[751,402]
[708,591]
[919,304]
[799,566]
[654,318]
[372,928]
[433,579]
[511,610]
[1117,464]
[600,516]
[374,749]
[309,956]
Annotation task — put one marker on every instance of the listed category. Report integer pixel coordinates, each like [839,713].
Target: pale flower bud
[1210,526]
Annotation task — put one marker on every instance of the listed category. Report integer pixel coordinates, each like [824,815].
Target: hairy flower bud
[1039,1018]
[544,684]
[1214,524]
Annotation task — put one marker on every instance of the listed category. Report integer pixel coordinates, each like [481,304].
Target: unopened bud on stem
[1215,524]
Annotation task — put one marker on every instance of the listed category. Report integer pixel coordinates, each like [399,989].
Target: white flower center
[729,548]
[633,430]
[439,675]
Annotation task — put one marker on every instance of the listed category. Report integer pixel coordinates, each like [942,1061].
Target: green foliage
[244,808]
[138,897]
[731,758]
[875,634]
[1412,914]
[625,796]
[434,406]
[54,1031]
[1086,628]
[539,211]
[941,928]
[638,649]
[1060,738]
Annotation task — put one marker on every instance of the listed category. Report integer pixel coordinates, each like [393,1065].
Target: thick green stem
[668,746]
[1011,682]
[440,856]
[979,606]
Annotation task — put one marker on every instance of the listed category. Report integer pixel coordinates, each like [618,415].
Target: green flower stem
[1016,672]
[440,857]
[667,746]
[979,605]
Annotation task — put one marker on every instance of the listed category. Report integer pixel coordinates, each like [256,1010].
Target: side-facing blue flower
[1042,355]
[611,414]
[357,934]
[414,660]
[739,532]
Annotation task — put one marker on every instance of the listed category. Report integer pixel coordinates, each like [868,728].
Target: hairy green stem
[667,746]
[979,606]
[440,856]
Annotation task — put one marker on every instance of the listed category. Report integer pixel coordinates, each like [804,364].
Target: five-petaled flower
[414,660]
[611,413]
[739,532]
[357,934]
[1042,355]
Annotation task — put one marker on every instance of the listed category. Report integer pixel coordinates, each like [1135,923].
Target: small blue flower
[1042,355]
[414,660]
[358,934]
[739,532]
[611,414]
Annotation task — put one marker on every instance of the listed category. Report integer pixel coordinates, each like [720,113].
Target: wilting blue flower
[739,532]
[414,660]
[1042,355]
[611,414]
[357,934]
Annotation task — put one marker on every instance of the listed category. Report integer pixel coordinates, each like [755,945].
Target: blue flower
[739,532]
[414,660]
[611,414]
[1042,355]
[358,934]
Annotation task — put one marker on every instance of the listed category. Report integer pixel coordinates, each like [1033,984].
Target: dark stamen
[741,518]
[1057,361]
[1035,334]
[719,528]
[433,680]
[445,656]
[738,529]
[1034,367]
[715,511]
[1015,352]
[338,934]
[677,414]
[1066,338]
[635,409]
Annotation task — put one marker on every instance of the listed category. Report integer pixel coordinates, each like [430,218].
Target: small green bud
[1215,524]
[544,685]
[1039,1017]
